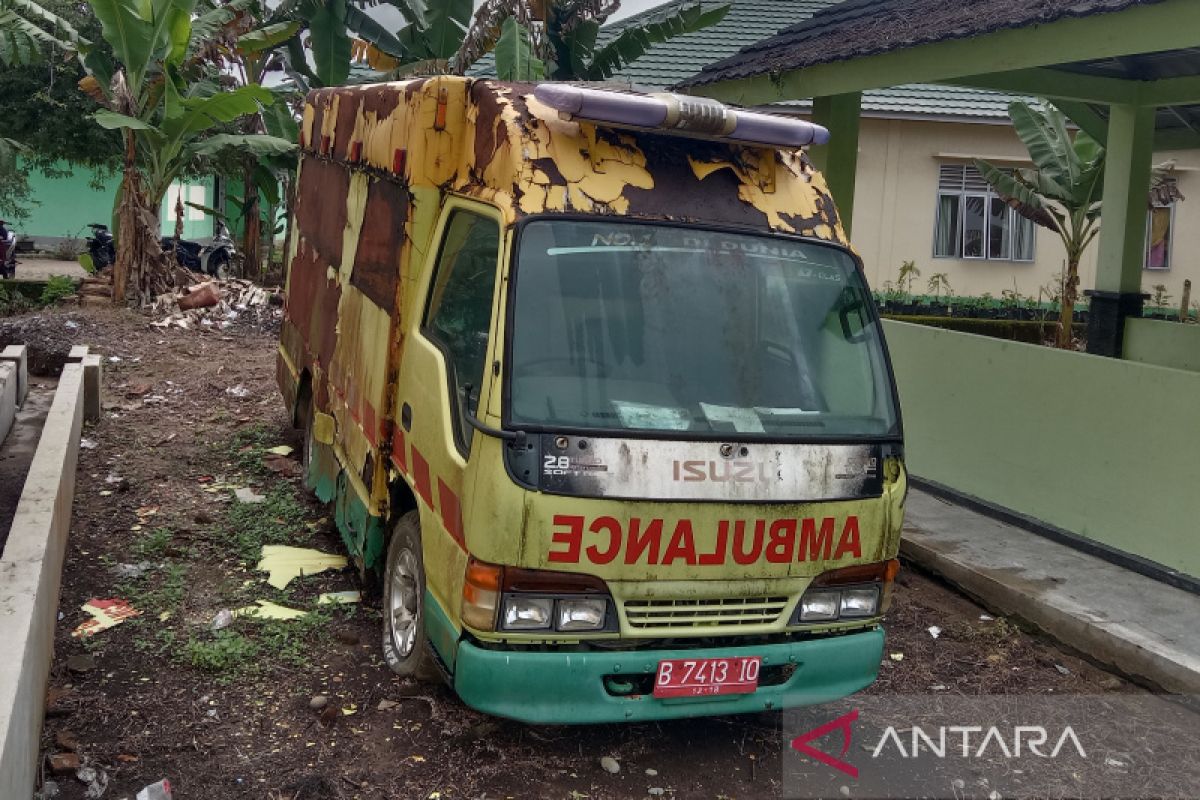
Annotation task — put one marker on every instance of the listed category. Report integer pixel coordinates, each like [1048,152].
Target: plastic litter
[156,791]
[105,614]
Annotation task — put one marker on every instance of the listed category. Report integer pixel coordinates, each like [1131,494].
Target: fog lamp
[527,613]
[587,614]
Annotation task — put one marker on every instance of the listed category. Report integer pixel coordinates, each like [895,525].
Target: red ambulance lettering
[717,556]
[682,545]
[651,538]
[740,554]
[744,541]
[571,539]
[780,541]
[595,554]
[849,542]
[815,546]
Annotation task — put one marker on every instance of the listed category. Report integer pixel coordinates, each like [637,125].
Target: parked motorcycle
[213,258]
[8,251]
[101,246]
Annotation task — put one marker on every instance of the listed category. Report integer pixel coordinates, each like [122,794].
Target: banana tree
[172,111]
[1062,192]
[561,39]
[27,28]
[427,43]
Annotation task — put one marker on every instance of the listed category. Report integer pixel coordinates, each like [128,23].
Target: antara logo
[605,540]
[945,741]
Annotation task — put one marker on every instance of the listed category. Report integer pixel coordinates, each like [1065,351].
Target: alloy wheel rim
[403,603]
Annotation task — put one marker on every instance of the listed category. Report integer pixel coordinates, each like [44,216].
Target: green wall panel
[1101,447]
[1167,344]
[64,206]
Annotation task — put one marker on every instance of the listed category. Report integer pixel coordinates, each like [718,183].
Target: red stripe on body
[399,450]
[420,471]
[451,512]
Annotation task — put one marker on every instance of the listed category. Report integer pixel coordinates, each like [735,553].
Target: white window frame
[1170,239]
[987,194]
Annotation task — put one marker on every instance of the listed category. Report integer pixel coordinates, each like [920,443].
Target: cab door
[446,358]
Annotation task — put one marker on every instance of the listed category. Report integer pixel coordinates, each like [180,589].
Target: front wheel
[406,648]
[218,266]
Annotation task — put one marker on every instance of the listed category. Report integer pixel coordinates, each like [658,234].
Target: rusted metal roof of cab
[517,153]
[857,28]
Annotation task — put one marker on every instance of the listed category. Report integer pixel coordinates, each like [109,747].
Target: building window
[1160,221]
[973,222]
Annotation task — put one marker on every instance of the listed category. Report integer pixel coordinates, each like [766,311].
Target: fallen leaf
[268,610]
[280,450]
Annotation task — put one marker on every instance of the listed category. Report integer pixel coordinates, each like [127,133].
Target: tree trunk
[126,255]
[1066,317]
[252,235]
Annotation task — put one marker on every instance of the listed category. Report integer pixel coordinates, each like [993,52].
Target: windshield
[664,328]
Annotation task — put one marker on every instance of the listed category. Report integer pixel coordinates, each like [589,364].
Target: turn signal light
[481,595]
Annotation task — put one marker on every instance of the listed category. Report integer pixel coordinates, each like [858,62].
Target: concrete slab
[30,577]
[1141,627]
[8,397]
[18,356]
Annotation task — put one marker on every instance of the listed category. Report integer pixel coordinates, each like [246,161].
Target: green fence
[1101,447]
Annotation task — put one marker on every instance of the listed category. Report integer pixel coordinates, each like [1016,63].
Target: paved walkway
[1142,627]
[39,269]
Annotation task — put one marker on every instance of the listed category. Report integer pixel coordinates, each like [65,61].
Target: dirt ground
[188,416]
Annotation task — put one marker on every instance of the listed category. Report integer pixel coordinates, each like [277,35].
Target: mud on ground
[187,417]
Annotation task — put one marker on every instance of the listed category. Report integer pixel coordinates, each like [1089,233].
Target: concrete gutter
[30,576]
[1141,627]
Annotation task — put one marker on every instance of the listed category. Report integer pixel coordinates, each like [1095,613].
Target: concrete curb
[1123,645]
[30,577]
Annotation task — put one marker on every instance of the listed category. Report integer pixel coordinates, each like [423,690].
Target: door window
[459,314]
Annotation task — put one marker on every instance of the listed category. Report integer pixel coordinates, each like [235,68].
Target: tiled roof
[750,21]
[856,28]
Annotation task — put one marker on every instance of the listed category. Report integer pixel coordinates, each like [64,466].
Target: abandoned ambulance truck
[596,386]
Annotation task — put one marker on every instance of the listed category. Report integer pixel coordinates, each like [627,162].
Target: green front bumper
[565,688]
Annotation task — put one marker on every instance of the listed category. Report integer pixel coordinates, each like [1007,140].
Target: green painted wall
[1102,447]
[65,206]
[1167,344]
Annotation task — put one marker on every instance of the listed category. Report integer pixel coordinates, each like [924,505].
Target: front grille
[725,611]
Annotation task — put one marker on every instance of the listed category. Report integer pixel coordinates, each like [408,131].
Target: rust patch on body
[377,264]
[321,208]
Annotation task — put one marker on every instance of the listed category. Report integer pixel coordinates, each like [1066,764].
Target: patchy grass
[152,545]
[245,450]
[254,647]
[157,591]
[280,519]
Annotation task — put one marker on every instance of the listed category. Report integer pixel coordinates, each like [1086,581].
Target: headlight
[581,615]
[861,601]
[819,606]
[858,592]
[567,614]
[527,613]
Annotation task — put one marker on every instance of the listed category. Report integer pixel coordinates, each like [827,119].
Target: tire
[218,266]
[308,443]
[406,648]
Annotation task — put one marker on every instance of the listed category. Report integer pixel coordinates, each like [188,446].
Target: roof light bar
[694,116]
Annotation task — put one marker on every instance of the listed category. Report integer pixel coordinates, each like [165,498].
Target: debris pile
[217,305]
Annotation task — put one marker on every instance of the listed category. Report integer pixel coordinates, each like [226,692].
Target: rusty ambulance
[596,385]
